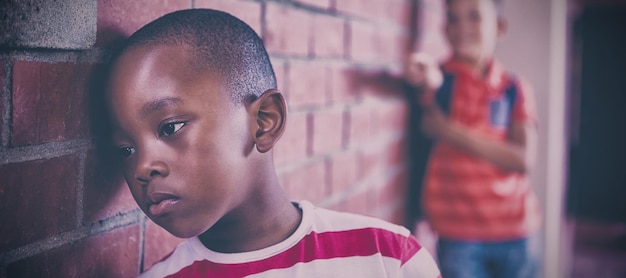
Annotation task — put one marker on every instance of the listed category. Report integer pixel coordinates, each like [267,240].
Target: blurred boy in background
[482,123]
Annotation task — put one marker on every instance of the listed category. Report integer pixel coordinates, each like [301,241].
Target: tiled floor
[599,251]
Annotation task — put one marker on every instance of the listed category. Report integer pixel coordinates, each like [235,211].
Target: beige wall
[535,48]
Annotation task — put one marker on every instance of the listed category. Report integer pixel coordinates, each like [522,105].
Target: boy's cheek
[467,51]
[134,190]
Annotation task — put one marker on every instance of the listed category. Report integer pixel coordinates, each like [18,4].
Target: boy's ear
[269,116]
[503,26]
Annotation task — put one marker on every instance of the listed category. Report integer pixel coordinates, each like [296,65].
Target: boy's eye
[475,16]
[125,152]
[452,19]
[171,128]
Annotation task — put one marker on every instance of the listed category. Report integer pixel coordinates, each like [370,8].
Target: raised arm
[516,154]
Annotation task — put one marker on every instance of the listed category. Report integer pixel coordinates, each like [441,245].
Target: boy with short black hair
[195,114]
[482,124]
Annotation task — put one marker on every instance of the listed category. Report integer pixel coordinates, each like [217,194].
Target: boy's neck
[478,66]
[265,220]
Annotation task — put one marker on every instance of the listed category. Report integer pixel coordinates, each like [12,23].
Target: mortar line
[6,95]
[316,158]
[367,183]
[65,238]
[263,19]
[43,151]
[142,242]
[80,191]
[58,56]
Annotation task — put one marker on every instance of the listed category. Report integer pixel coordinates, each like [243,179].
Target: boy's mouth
[160,203]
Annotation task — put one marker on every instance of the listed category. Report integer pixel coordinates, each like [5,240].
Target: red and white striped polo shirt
[326,244]
[466,197]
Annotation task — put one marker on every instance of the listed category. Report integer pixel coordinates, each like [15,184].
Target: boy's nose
[149,168]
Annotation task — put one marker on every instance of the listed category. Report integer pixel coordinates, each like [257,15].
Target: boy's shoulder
[325,220]
[498,72]
[458,75]
[325,237]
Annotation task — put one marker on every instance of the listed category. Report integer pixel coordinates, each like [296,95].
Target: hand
[423,72]
[434,122]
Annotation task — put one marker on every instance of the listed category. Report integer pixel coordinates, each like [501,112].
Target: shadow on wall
[376,83]
[384,84]
[103,172]
[109,261]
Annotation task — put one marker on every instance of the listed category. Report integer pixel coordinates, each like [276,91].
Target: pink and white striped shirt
[326,244]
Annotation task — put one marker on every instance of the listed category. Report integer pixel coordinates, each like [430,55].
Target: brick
[281,76]
[434,44]
[37,199]
[323,4]
[287,31]
[396,153]
[49,102]
[358,203]
[60,24]
[336,206]
[373,195]
[293,145]
[106,194]
[431,21]
[392,46]
[371,163]
[431,16]
[308,84]
[401,12]
[158,244]
[361,8]
[397,215]
[375,121]
[1,98]
[392,191]
[363,42]
[375,182]
[118,19]
[308,183]
[327,131]
[391,199]
[344,169]
[389,12]
[328,36]
[360,121]
[110,254]
[393,116]
[248,12]
[344,80]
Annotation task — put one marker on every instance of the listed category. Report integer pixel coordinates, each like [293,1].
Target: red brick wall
[344,147]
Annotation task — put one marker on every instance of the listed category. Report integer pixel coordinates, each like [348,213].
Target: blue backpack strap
[501,110]
[420,147]
[444,94]
[512,93]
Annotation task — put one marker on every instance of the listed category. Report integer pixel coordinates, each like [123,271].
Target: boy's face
[183,142]
[473,27]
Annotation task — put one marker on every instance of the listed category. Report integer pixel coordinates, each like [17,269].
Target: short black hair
[218,42]
[497,3]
